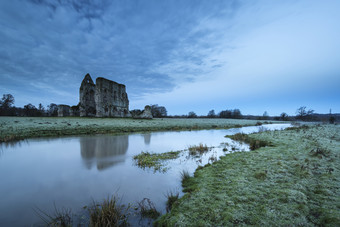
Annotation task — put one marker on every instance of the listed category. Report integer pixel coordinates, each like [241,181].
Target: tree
[211,114]
[30,110]
[331,118]
[41,110]
[303,114]
[265,115]
[235,113]
[225,114]
[52,110]
[158,111]
[7,101]
[192,114]
[6,105]
[284,116]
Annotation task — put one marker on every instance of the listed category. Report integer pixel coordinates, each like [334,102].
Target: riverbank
[17,128]
[295,181]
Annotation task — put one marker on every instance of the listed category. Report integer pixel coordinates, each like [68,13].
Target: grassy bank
[293,182]
[16,128]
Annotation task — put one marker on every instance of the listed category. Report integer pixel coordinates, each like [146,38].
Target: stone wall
[111,99]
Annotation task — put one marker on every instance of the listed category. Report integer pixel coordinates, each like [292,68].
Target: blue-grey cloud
[159,48]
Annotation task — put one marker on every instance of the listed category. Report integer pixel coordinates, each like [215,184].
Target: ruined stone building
[106,98]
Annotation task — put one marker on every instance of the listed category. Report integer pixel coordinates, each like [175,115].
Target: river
[72,172]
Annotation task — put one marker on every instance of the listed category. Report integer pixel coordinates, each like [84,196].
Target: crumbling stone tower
[106,98]
[87,107]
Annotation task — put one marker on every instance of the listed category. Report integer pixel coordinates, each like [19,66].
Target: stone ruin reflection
[104,151]
[147,138]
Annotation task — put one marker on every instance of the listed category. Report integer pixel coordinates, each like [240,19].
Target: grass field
[16,128]
[293,182]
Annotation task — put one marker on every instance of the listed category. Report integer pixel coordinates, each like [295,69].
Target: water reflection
[51,170]
[147,138]
[104,151]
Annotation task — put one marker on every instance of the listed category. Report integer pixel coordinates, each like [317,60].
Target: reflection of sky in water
[74,171]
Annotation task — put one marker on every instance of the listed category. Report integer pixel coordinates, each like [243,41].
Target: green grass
[16,128]
[155,161]
[294,182]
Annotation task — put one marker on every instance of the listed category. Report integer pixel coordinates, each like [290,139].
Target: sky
[192,55]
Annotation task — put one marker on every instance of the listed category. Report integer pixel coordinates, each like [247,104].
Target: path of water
[75,171]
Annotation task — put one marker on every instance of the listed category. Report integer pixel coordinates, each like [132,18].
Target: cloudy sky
[192,55]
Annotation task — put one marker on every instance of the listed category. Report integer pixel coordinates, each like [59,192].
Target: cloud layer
[186,55]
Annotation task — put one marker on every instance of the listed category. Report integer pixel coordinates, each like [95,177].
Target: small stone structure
[145,114]
[63,110]
[106,98]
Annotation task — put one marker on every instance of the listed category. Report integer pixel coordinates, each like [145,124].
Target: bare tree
[7,101]
[52,110]
[265,115]
[284,116]
[192,114]
[303,114]
[6,105]
[211,114]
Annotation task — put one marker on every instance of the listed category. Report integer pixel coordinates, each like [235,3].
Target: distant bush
[192,114]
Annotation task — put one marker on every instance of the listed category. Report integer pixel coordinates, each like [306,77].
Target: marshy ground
[293,182]
[290,178]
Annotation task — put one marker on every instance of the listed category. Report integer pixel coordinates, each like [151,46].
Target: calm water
[73,172]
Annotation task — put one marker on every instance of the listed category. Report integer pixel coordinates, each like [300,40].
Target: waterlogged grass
[148,209]
[295,182]
[61,217]
[108,213]
[198,149]
[16,128]
[155,161]
[172,199]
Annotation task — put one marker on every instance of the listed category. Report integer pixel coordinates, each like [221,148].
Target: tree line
[7,108]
